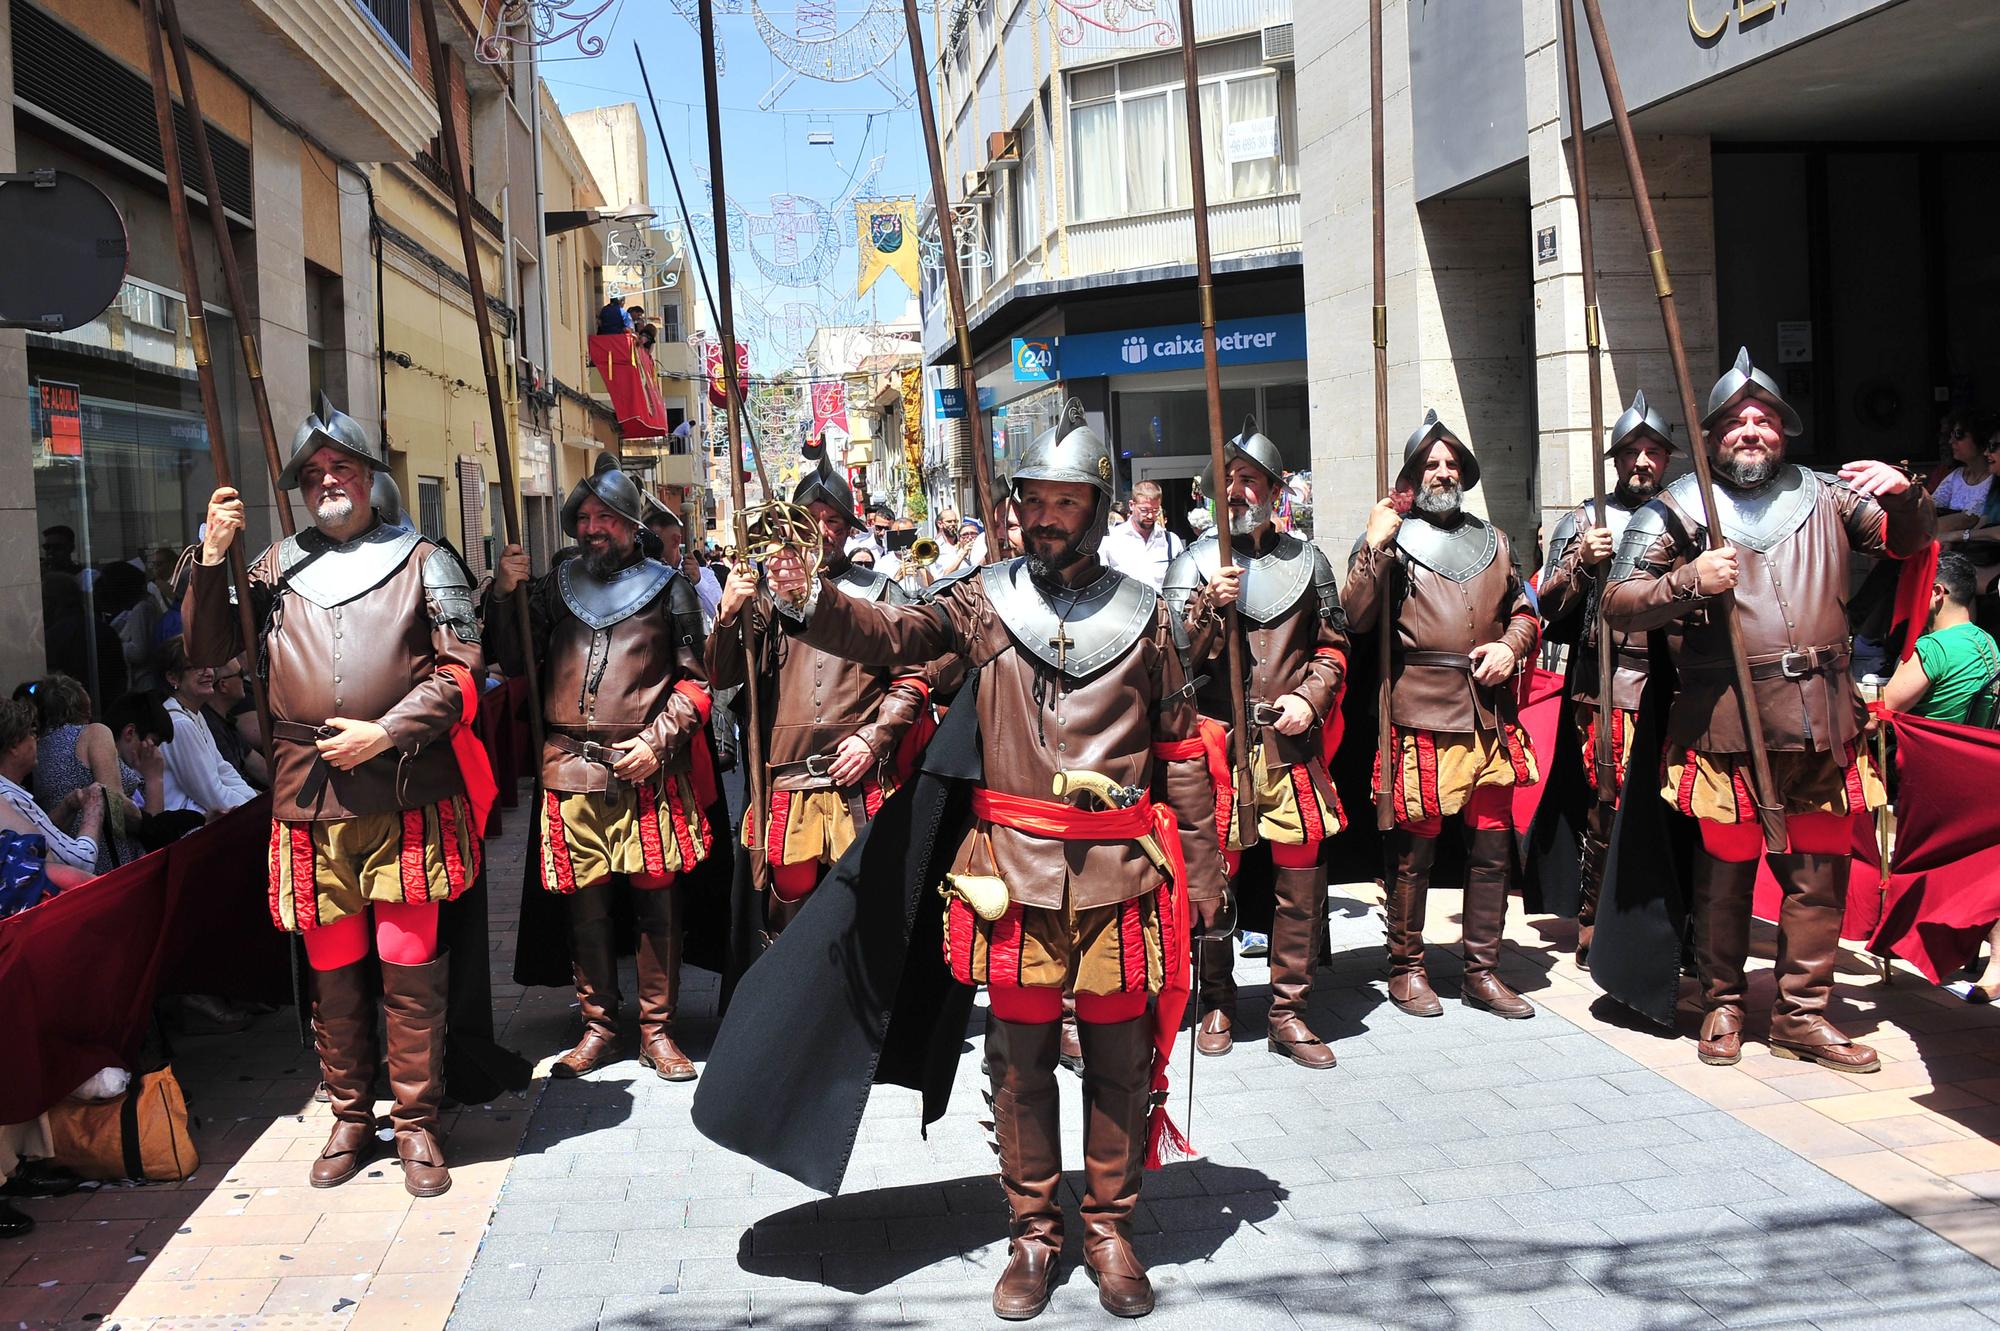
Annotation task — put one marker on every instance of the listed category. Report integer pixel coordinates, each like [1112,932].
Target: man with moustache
[832,728]
[1078,671]
[1294,638]
[1572,584]
[1464,629]
[1790,536]
[369,644]
[624,697]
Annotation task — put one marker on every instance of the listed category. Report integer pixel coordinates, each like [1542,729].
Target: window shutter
[472,515]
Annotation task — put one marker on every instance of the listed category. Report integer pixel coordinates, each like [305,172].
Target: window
[392,17]
[1026,211]
[670,321]
[562,278]
[1128,133]
[430,506]
[472,516]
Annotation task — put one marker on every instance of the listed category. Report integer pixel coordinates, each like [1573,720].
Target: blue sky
[767,150]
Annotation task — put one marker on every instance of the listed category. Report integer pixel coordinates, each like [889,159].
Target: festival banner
[886,234]
[829,403]
[718,383]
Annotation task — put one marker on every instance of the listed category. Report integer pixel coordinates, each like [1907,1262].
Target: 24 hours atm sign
[60,408]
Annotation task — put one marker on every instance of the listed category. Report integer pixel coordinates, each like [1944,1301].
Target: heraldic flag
[886,233]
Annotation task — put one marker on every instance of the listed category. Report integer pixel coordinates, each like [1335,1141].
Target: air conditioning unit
[976,188]
[1277,43]
[1003,150]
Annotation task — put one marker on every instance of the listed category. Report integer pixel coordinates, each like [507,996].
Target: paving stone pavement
[1461,1172]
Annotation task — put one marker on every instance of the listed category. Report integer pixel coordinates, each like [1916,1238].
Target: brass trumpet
[775,527]
[923,553]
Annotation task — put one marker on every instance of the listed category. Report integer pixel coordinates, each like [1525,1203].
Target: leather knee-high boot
[1592,855]
[1117,1094]
[1489,857]
[1403,921]
[592,958]
[1722,896]
[1021,1061]
[659,961]
[413,1006]
[343,1019]
[1217,959]
[1808,948]
[1301,903]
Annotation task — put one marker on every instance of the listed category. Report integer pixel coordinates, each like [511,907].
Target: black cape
[1636,952]
[1552,872]
[854,991]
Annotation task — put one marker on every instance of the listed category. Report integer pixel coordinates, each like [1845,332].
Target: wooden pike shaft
[211,404]
[755,777]
[1606,761]
[232,277]
[1385,755]
[954,281]
[1770,809]
[1246,802]
[454,167]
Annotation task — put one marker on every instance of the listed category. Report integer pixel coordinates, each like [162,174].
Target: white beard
[335,509]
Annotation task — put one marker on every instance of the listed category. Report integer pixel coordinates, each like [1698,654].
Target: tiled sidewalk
[1464,1172]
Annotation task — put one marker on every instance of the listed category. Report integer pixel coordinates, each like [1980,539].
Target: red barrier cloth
[1944,882]
[627,370]
[1913,600]
[1864,886]
[79,972]
[1542,708]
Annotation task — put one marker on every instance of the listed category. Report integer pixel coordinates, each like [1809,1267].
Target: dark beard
[1748,476]
[1442,504]
[1049,569]
[1631,494]
[602,566]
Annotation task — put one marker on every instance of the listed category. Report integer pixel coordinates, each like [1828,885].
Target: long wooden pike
[1770,809]
[204,369]
[1246,800]
[725,312]
[225,253]
[1385,755]
[503,447]
[1606,765]
[954,282]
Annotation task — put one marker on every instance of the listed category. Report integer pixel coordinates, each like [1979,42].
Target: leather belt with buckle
[819,766]
[590,750]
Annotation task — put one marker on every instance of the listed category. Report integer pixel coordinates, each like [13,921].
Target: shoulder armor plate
[1759,518]
[450,594]
[602,602]
[1459,553]
[1185,578]
[1642,529]
[866,583]
[1327,586]
[1106,619]
[329,575]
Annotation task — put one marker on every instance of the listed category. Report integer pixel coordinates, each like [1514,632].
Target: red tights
[1811,834]
[1038,1005]
[1491,809]
[795,882]
[405,935]
[1304,856]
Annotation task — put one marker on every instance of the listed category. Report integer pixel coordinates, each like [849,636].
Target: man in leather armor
[1572,584]
[1294,639]
[832,728]
[1790,536]
[369,646]
[624,697]
[1079,678]
[1464,630]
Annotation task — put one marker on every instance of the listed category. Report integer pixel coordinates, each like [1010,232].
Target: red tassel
[1166,1144]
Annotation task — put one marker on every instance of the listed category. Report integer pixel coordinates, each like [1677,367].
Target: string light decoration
[1135,18]
[691,11]
[817,47]
[966,228]
[538,24]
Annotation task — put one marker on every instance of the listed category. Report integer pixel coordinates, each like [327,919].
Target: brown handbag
[143,1134]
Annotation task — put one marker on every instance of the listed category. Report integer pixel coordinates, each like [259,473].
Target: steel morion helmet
[330,428]
[1072,453]
[1256,448]
[1434,431]
[1641,419]
[824,483]
[387,499]
[1746,380]
[612,488]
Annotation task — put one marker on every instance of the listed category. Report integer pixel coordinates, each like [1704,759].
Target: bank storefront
[1145,387]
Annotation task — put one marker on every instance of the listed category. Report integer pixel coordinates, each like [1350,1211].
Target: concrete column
[20,533]
[274,275]
[357,305]
[1633,337]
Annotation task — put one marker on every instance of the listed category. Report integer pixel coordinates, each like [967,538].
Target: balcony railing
[392,17]
[431,169]
[1153,240]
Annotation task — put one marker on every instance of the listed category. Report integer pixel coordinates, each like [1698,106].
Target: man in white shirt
[197,776]
[1143,547]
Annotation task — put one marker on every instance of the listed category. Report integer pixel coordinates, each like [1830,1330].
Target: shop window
[430,506]
[1128,134]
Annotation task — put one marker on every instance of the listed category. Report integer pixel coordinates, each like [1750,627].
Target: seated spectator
[612,319]
[1954,675]
[1961,495]
[232,718]
[74,753]
[20,813]
[197,777]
